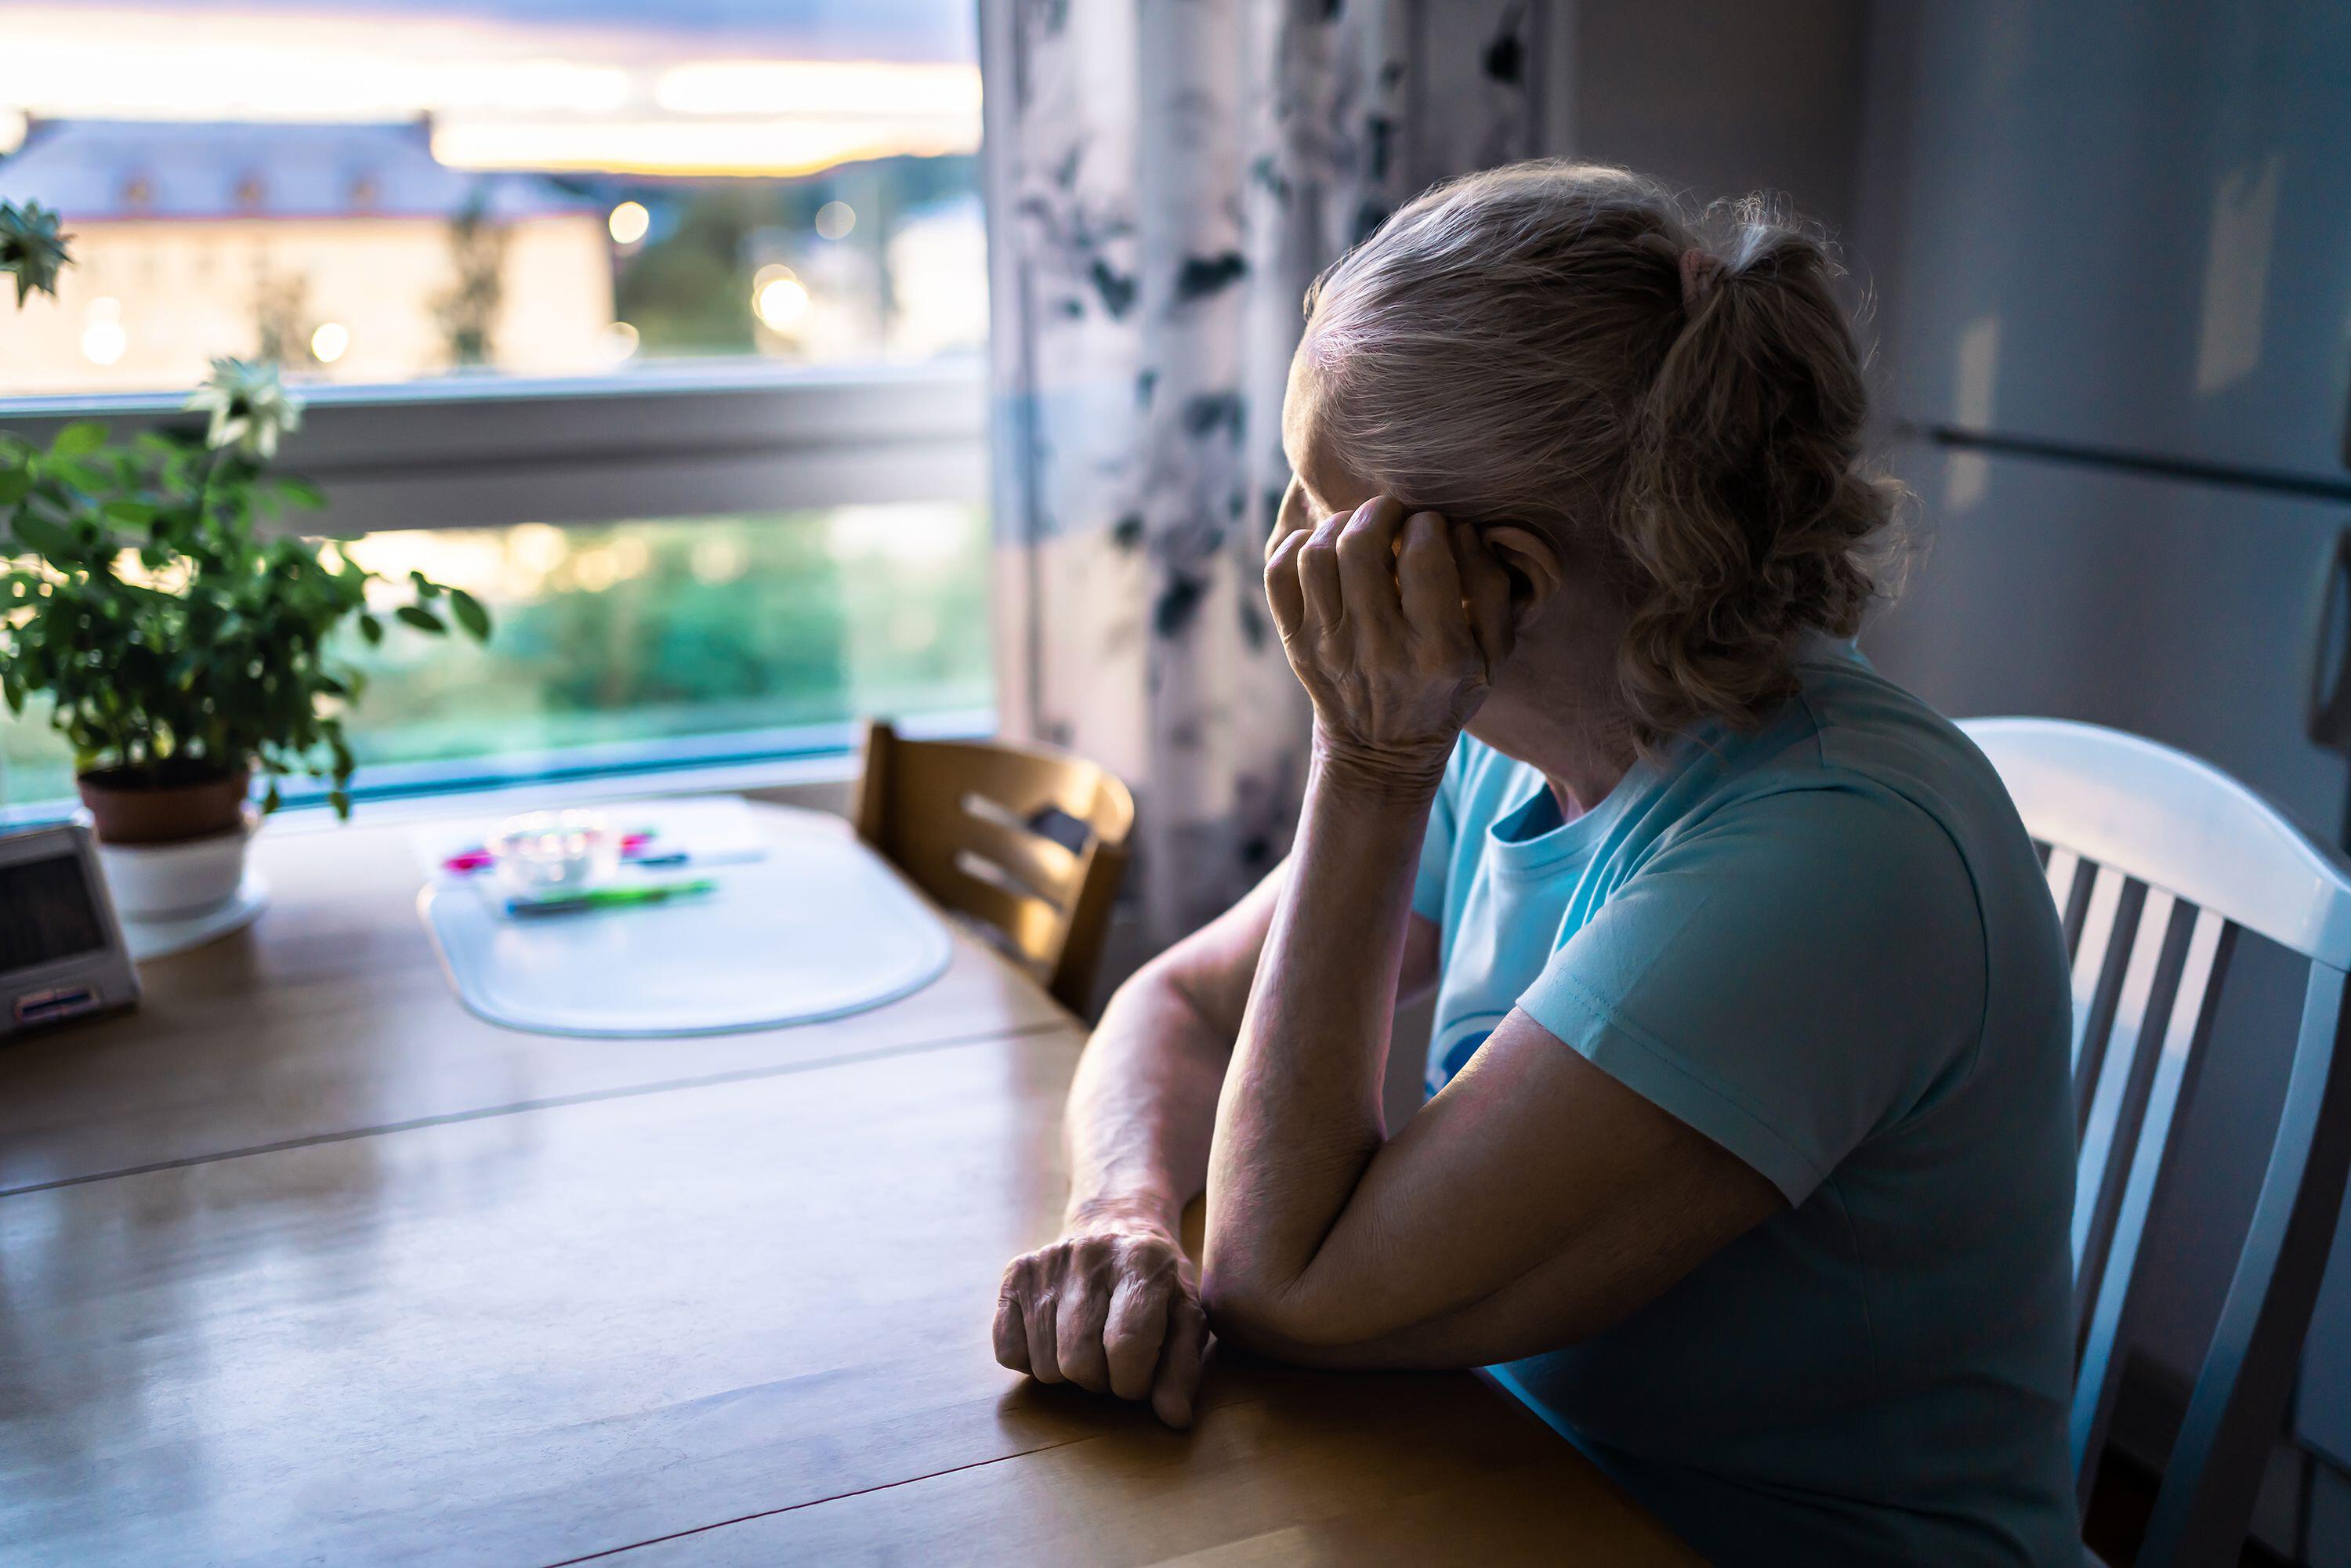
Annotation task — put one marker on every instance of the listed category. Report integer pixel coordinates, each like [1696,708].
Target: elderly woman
[1748,1154]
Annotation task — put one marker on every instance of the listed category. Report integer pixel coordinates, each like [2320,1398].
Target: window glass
[384,190]
[648,642]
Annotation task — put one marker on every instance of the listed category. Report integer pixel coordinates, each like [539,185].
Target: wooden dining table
[302,1263]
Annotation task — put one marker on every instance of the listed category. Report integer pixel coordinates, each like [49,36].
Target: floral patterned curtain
[1165,178]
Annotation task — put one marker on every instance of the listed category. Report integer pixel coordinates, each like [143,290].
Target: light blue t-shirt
[1828,945]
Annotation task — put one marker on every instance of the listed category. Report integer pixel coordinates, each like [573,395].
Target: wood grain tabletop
[302,1263]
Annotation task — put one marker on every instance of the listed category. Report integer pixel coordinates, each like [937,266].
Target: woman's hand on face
[1395,625]
[1112,1306]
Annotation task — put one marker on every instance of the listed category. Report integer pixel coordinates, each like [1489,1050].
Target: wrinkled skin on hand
[1395,625]
[1112,1305]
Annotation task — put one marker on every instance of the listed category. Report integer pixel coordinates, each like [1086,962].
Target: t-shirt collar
[1530,839]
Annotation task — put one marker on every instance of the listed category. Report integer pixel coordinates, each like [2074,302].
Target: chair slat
[2064,868]
[2142,1008]
[1039,865]
[984,891]
[2172,1079]
[2095,952]
[2095,1025]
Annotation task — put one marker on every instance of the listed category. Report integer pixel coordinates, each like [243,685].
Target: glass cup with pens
[571,862]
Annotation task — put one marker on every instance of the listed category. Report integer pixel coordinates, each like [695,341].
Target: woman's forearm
[1143,1105]
[1300,1116]
[1393,624]
[1110,1305]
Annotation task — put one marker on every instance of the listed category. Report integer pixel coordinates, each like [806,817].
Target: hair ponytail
[1744,505]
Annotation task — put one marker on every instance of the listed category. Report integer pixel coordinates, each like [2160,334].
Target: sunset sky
[685,86]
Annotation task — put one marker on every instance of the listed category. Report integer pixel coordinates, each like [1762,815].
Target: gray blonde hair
[1514,346]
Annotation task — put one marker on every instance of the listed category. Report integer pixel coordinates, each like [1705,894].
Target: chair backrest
[1030,841]
[2157,861]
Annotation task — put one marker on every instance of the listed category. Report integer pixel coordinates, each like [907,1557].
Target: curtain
[1165,178]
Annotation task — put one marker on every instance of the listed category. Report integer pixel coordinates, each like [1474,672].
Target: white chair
[2156,860]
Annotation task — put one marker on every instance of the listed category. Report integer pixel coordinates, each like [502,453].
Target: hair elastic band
[1701,273]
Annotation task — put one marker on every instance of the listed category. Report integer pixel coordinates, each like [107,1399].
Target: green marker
[610,898]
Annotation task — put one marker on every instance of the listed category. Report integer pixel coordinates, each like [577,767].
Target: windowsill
[821,782]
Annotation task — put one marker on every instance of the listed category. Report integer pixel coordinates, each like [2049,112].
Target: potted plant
[180,647]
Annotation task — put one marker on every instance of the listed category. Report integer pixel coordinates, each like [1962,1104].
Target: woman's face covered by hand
[1394,620]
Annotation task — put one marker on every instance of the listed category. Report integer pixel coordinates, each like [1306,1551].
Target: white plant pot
[177,881]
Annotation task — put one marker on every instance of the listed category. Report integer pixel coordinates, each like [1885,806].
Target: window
[541,273]
[653,643]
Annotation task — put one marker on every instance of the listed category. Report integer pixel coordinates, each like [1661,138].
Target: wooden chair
[2156,860]
[1030,842]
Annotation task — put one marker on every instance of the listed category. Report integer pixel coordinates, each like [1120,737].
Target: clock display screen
[45,913]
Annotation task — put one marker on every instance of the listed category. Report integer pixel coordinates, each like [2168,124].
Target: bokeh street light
[629,222]
[782,303]
[779,299]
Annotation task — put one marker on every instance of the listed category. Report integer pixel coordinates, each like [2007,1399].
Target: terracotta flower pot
[131,808]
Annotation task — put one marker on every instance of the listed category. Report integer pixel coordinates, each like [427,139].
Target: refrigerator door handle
[2327,656]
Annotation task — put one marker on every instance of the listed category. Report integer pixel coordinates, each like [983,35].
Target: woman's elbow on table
[1259,1315]
[1305,1333]
[1309,1321]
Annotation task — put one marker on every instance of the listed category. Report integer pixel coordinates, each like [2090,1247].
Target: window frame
[681,440]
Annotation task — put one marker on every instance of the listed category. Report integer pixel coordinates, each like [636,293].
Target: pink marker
[465,863]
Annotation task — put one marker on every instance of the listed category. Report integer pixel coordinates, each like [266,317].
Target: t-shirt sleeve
[1428,882]
[1786,977]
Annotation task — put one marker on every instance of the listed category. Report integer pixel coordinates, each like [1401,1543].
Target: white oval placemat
[816,929]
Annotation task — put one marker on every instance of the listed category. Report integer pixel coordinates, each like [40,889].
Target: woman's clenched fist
[1112,1305]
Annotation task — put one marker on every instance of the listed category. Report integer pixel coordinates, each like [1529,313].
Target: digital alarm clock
[61,950]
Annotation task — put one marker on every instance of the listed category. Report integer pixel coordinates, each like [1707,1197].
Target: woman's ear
[1533,564]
